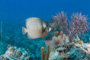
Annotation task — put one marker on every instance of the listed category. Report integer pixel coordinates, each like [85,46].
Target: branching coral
[77,25]
[61,21]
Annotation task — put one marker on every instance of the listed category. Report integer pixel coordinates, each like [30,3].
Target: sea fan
[78,24]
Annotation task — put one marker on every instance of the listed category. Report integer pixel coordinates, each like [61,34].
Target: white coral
[62,39]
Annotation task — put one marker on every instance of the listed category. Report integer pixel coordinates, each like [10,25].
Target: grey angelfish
[35,28]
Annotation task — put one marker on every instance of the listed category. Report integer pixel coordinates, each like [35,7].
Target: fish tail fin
[24,30]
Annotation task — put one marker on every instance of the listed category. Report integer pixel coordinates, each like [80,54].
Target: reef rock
[14,53]
[71,51]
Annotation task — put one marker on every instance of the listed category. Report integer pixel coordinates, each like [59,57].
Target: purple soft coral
[61,19]
[78,24]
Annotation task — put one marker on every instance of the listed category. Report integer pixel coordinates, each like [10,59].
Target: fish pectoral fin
[24,30]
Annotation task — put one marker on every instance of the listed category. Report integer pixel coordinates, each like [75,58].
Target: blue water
[14,12]
[18,10]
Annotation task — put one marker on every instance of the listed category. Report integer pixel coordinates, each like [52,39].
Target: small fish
[35,28]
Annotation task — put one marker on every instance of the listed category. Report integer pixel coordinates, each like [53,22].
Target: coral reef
[47,53]
[62,44]
[76,26]
[61,38]
[59,21]
[72,51]
[14,53]
[43,55]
